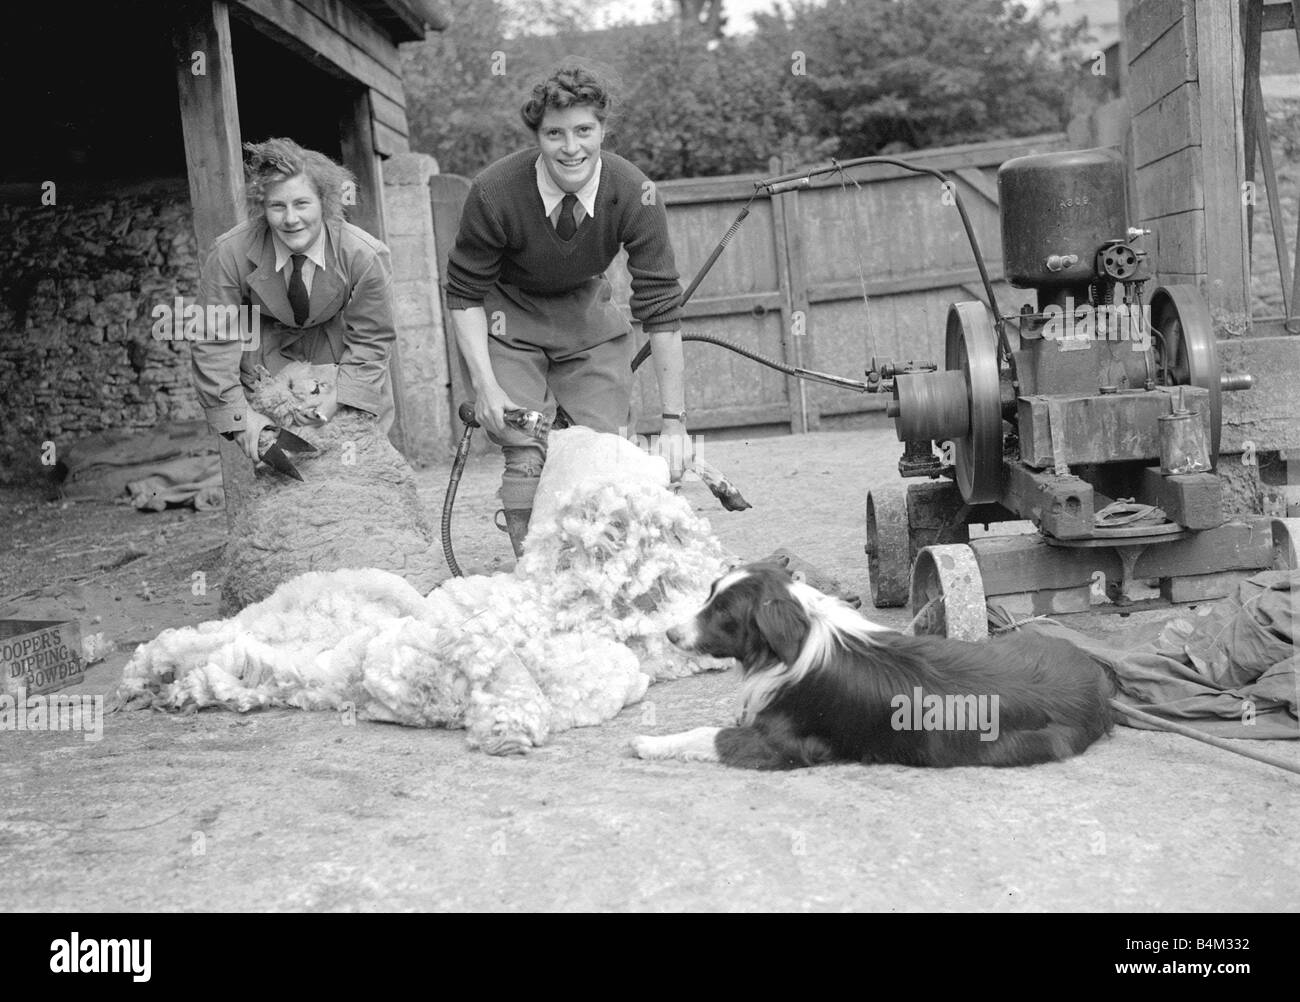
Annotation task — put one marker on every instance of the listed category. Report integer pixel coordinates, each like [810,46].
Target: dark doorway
[282,94]
[92,94]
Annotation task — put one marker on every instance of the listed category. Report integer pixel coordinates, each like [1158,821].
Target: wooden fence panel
[742,299]
[893,228]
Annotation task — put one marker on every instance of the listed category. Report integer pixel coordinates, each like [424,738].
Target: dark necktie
[298,291]
[566,226]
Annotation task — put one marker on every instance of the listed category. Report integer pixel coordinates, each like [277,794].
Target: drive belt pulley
[961,404]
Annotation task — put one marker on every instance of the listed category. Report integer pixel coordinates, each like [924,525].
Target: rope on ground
[1209,739]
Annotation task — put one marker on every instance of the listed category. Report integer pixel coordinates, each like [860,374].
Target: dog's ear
[777,563]
[783,623]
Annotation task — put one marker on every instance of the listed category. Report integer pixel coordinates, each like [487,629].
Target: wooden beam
[976,178]
[794,291]
[755,303]
[1193,500]
[1060,505]
[1172,124]
[942,278]
[356,138]
[1014,564]
[447,194]
[1252,108]
[1291,325]
[737,416]
[388,142]
[360,29]
[1220,74]
[992,154]
[1099,429]
[1179,242]
[412,15]
[205,84]
[1149,20]
[1172,184]
[296,28]
[389,113]
[1164,67]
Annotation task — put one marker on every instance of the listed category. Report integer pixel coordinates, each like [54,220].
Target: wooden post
[1220,73]
[794,298]
[357,138]
[447,193]
[205,85]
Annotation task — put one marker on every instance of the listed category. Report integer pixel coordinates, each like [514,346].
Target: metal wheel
[1286,544]
[970,345]
[948,593]
[1179,314]
[889,558]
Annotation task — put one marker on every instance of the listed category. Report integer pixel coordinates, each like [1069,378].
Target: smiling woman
[320,286]
[532,309]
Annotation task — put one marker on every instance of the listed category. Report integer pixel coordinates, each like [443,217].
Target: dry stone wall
[79,281]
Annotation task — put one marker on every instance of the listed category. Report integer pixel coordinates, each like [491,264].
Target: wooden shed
[353,43]
[123,106]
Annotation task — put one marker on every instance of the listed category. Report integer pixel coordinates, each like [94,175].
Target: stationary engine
[1095,413]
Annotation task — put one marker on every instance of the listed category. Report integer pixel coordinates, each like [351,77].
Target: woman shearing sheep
[321,286]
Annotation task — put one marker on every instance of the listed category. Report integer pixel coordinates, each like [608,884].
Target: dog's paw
[689,746]
[643,746]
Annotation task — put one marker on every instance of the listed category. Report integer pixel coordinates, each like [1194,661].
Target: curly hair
[570,85]
[275,160]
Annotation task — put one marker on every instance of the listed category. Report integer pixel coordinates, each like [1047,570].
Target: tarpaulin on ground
[1229,669]
[175,464]
[192,480]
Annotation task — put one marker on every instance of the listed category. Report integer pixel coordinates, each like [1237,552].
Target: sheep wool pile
[568,639]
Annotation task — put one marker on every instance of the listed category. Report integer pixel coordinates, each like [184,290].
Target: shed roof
[405,20]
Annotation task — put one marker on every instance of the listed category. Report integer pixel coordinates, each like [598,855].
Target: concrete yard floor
[287,810]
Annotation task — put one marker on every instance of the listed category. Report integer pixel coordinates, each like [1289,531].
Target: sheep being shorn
[357,505]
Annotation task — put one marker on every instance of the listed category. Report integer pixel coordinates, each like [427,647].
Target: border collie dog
[822,684]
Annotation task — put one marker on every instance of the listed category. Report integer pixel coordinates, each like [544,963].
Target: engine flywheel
[971,348]
[1186,354]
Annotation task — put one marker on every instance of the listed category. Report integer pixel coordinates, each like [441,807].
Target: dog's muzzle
[683,635]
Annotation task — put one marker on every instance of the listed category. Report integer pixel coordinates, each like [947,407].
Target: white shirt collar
[315,253]
[552,194]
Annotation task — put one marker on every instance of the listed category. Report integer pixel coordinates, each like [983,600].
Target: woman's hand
[675,447]
[247,437]
[315,415]
[490,405]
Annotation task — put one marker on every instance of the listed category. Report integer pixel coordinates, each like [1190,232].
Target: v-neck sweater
[552,292]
